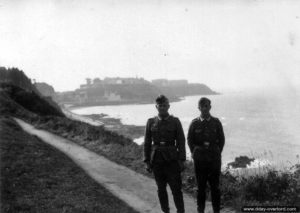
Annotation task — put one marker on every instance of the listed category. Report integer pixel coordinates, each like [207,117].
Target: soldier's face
[204,108]
[163,108]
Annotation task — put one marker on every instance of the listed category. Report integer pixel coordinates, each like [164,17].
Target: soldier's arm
[221,135]
[180,140]
[190,137]
[147,142]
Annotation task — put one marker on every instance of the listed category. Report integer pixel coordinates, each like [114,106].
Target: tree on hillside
[16,77]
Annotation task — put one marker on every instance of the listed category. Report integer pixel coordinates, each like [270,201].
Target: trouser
[208,171]
[169,173]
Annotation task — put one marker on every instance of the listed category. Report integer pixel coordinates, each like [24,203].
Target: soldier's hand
[148,167]
[182,165]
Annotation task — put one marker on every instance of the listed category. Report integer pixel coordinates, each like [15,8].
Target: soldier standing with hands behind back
[206,141]
[164,154]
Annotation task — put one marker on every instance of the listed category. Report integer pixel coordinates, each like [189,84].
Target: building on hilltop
[160,82]
[111,96]
[88,81]
[166,82]
[97,82]
[82,97]
[112,80]
[118,80]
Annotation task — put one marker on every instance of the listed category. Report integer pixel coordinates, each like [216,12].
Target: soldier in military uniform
[164,154]
[206,141]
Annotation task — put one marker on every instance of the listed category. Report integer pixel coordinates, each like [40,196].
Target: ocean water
[261,124]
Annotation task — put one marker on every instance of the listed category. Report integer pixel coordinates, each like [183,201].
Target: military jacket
[207,137]
[164,140]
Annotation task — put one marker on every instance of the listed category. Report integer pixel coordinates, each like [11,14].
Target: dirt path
[135,189]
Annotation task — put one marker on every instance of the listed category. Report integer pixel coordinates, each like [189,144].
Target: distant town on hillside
[109,91]
[129,90]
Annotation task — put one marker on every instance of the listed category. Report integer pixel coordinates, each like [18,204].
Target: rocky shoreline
[115,125]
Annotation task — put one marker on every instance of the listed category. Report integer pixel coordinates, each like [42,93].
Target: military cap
[161,99]
[203,101]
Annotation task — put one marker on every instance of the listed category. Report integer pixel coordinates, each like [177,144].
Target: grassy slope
[31,101]
[38,178]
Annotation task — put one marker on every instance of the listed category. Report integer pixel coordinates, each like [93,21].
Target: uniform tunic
[164,140]
[206,141]
[164,145]
[206,131]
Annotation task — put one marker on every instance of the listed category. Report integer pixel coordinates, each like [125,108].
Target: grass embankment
[97,139]
[36,177]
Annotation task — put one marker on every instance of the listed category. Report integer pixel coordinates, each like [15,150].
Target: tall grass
[264,185]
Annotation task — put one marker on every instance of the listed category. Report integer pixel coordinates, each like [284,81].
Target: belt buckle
[206,144]
[163,143]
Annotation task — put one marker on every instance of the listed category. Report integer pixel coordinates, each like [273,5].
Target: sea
[264,124]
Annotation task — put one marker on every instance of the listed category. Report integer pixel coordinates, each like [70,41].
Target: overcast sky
[224,44]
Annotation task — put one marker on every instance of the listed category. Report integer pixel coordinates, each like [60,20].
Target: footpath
[137,190]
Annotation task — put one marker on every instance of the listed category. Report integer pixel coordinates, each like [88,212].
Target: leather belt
[164,144]
[207,145]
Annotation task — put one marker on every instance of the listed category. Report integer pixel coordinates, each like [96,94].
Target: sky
[226,44]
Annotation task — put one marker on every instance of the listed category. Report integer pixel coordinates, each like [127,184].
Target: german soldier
[206,141]
[164,154]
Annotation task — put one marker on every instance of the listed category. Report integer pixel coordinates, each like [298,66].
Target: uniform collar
[164,119]
[202,119]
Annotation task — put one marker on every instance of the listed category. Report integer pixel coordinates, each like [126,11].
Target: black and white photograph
[149,106]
